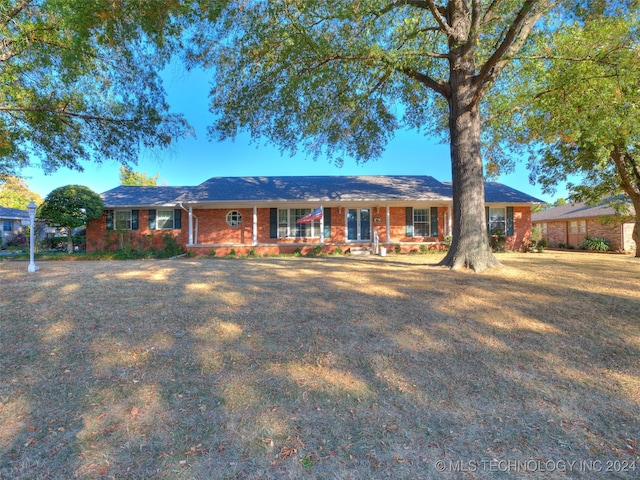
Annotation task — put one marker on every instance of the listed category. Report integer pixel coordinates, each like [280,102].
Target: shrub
[20,240]
[596,244]
[316,251]
[232,253]
[536,235]
[498,243]
[447,241]
[337,251]
[535,242]
[171,247]
[212,253]
[397,249]
[128,253]
[561,245]
[253,253]
[424,249]
[297,252]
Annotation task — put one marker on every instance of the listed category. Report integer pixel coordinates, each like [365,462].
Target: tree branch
[439,87]
[13,12]
[628,184]
[6,46]
[511,43]
[65,113]
[439,16]
[403,3]
[476,20]
[489,14]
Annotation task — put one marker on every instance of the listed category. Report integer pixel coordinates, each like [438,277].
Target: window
[287,226]
[283,223]
[497,221]
[421,222]
[123,220]
[578,226]
[165,219]
[7,226]
[234,218]
[543,229]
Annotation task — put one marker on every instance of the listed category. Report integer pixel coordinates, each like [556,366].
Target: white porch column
[190,225]
[388,235]
[322,224]
[449,224]
[255,225]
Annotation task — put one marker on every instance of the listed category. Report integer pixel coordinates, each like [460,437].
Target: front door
[358,225]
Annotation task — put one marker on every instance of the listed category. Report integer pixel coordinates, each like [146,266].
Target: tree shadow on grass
[302,367]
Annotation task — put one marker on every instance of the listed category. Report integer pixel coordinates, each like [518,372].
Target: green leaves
[80,80]
[71,206]
[575,103]
[15,193]
[131,178]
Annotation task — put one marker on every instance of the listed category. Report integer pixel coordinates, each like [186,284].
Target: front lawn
[321,368]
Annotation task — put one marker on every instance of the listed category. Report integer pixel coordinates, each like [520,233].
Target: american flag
[312,216]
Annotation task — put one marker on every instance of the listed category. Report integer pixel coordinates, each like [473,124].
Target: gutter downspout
[191,217]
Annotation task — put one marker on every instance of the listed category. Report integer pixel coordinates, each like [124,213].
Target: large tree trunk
[629,172]
[470,245]
[635,235]
[69,240]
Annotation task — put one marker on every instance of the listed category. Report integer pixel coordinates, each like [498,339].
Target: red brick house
[262,213]
[568,225]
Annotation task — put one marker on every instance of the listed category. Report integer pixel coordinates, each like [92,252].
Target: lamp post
[32,215]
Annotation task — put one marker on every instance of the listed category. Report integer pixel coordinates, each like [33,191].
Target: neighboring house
[11,223]
[262,213]
[568,225]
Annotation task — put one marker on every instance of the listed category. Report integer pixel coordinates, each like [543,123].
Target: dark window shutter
[409,221]
[509,221]
[273,223]
[486,213]
[177,219]
[327,222]
[152,219]
[134,219]
[109,217]
[434,221]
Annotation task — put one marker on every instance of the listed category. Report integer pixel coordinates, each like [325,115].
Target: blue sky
[193,160]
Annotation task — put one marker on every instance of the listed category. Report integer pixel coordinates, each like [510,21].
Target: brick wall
[213,228]
[521,228]
[100,239]
[556,233]
[214,232]
[618,235]
[611,233]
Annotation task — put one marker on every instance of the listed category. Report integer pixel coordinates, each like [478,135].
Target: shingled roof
[7,213]
[305,189]
[573,211]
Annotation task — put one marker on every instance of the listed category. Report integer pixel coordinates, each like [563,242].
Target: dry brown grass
[321,368]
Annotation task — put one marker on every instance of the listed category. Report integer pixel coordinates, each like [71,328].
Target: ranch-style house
[266,215]
[568,225]
[11,220]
